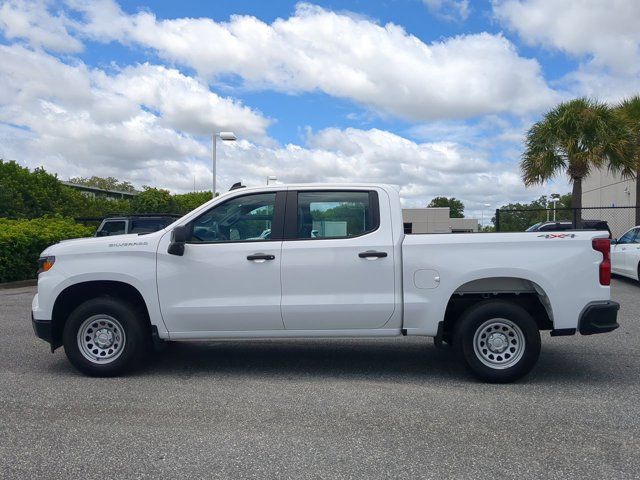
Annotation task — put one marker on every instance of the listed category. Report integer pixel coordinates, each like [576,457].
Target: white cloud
[144,123]
[602,84]
[183,103]
[140,114]
[423,170]
[143,151]
[605,31]
[149,123]
[381,67]
[33,21]
[457,10]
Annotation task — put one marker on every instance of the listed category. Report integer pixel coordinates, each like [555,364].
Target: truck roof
[285,186]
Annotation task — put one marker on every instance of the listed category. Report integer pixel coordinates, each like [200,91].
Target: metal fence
[620,219]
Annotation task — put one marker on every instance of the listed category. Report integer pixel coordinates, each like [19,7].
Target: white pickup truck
[335,263]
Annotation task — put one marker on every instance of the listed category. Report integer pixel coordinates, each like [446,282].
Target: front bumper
[42,329]
[599,318]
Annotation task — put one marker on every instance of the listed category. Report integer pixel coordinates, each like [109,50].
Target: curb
[21,283]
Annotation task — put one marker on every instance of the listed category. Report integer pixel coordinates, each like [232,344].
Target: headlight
[45,264]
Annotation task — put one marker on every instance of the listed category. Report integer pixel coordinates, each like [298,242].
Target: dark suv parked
[135,224]
[566,225]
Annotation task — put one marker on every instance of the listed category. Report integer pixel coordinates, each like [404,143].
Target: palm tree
[629,110]
[576,137]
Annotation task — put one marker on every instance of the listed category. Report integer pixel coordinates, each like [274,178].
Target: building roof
[87,188]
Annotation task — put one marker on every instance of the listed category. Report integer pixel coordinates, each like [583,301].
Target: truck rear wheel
[498,340]
[104,337]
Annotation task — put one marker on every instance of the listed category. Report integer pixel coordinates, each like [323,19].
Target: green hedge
[22,241]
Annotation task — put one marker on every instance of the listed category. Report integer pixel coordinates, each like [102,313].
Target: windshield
[533,228]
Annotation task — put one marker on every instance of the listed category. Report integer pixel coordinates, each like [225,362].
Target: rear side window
[335,214]
[147,225]
[116,227]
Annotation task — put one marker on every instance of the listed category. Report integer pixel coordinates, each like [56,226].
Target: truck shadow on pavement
[396,360]
[359,360]
[308,358]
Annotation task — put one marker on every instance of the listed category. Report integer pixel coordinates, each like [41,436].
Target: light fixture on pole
[271,178]
[226,137]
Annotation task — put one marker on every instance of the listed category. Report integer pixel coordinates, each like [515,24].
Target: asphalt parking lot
[321,409]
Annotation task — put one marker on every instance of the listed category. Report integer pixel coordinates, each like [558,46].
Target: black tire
[132,327]
[514,338]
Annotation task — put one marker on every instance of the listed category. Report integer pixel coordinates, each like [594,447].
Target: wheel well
[517,290]
[71,297]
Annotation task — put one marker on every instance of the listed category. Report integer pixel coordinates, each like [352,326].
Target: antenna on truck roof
[236,186]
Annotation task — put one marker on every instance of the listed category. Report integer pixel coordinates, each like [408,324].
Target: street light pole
[213,169]
[224,136]
[555,198]
[483,207]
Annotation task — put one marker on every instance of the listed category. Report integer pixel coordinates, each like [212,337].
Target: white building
[436,220]
[603,189]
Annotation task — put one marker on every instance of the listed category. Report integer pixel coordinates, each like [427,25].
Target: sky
[435,96]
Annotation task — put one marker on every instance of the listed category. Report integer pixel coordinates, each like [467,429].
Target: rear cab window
[325,214]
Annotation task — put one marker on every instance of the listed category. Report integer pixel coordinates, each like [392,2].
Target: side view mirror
[178,240]
[614,241]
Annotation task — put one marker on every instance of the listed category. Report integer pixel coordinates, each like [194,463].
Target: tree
[27,194]
[153,200]
[517,217]
[456,207]
[109,183]
[629,110]
[576,137]
[186,202]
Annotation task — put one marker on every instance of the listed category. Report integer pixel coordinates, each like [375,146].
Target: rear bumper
[42,329]
[599,318]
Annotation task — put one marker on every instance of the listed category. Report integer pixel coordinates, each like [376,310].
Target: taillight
[603,245]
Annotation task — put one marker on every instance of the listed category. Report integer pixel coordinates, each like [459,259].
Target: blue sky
[433,95]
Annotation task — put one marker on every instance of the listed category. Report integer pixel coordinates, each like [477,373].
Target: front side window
[334,214]
[241,219]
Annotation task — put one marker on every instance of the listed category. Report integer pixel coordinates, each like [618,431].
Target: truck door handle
[372,254]
[261,257]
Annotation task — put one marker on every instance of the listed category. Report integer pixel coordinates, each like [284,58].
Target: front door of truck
[337,260]
[229,276]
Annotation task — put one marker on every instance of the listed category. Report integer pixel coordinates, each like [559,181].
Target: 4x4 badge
[558,235]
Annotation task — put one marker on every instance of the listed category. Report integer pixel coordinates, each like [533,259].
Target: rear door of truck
[337,260]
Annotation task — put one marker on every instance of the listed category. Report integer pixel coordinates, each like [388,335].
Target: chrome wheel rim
[499,343]
[101,339]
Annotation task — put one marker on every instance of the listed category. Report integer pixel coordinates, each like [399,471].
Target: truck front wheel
[498,340]
[104,337]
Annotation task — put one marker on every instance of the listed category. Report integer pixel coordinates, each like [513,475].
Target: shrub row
[22,241]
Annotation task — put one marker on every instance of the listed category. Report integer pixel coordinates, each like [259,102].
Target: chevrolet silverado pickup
[336,263]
